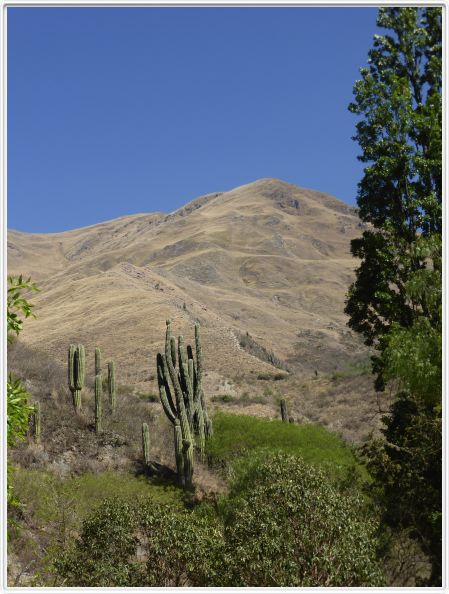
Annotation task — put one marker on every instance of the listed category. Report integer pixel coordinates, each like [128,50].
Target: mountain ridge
[267,260]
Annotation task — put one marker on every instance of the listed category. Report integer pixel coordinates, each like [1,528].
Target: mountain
[264,268]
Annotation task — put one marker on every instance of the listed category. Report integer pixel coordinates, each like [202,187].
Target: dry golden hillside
[264,268]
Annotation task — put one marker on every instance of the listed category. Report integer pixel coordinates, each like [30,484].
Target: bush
[272,376]
[124,544]
[222,398]
[148,397]
[105,554]
[286,524]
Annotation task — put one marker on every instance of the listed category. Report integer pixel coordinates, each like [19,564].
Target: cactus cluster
[76,369]
[182,397]
[76,373]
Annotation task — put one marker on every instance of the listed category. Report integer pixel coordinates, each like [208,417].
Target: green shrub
[286,524]
[141,544]
[223,398]
[272,376]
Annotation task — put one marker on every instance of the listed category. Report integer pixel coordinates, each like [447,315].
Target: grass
[44,495]
[235,435]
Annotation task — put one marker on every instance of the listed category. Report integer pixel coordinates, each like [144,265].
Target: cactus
[98,404]
[76,366]
[35,419]
[284,411]
[111,386]
[180,390]
[146,444]
[97,361]
[187,449]
[179,455]
[199,392]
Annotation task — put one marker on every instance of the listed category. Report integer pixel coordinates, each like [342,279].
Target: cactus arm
[185,379]
[191,370]
[71,367]
[37,422]
[97,361]
[187,447]
[80,359]
[98,404]
[166,405]
[163,380]
[111,386]
[178,452]
[200,430]
[173,350]
[146,443]
[199,362]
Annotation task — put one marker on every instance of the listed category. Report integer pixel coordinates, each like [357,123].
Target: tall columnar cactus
[146,444]
[284,411]
[36,422]
[97,361]
[76,366]
[98,404]
[111,386]
[182,398]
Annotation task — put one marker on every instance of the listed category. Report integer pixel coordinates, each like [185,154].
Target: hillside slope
[266,265]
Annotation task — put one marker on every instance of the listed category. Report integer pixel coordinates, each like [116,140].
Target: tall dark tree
[400,194]
[395,301]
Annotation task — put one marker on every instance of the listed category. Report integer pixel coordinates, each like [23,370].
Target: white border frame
[4,5]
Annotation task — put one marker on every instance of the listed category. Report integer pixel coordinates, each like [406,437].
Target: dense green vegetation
[285,518]
[237,434]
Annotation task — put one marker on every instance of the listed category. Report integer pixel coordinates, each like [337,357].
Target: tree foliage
[17,305]
[395,301]
[399,103]
[17,397]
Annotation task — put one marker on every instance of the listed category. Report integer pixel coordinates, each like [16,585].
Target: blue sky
[113,111]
